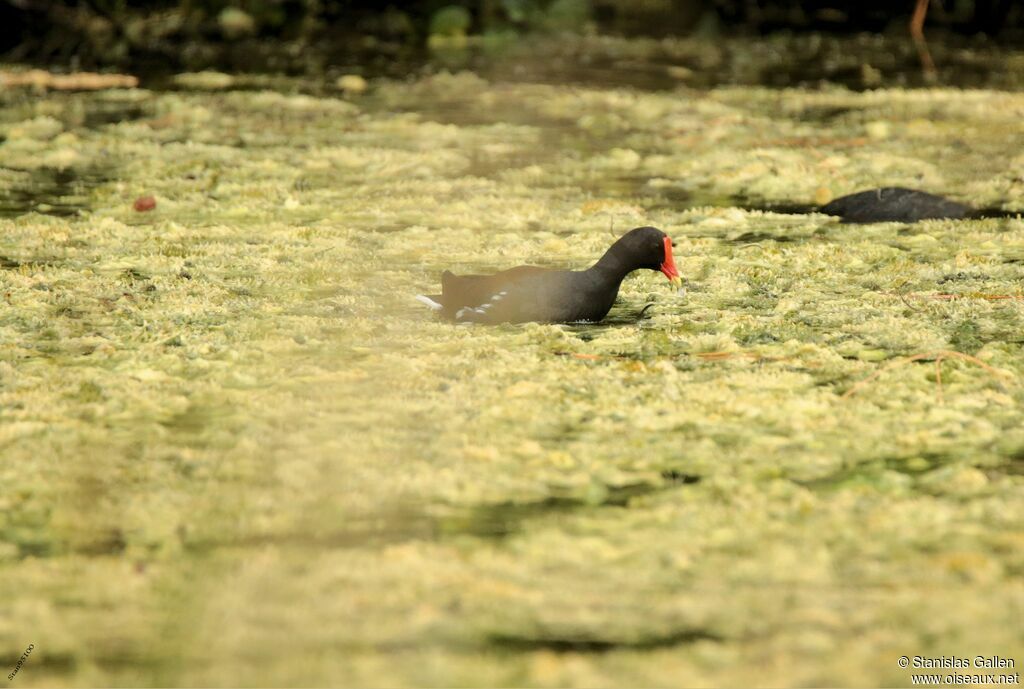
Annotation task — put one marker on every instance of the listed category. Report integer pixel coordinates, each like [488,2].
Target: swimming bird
[894,204]
[532,293]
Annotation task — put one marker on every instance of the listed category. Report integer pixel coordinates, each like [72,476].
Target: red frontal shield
[668,266]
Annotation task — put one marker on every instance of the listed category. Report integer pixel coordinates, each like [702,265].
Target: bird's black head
[647,247]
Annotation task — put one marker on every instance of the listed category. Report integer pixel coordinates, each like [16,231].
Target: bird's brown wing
[472,291]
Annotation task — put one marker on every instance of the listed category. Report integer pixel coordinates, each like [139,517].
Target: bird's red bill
[668,266]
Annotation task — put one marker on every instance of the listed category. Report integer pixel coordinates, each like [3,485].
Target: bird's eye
[673,245]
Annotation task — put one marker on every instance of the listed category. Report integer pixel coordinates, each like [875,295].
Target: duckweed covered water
[236,452]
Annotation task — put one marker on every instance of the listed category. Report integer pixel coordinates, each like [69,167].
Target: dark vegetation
[303,35]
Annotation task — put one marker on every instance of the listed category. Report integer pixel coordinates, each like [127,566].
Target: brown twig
[953,297]
[704,356]
[903,298]
[722,356]
[938,355]
[917,33]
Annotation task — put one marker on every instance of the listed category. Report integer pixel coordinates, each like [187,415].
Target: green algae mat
[234,449]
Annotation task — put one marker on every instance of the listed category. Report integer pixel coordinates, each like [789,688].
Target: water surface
[236,452]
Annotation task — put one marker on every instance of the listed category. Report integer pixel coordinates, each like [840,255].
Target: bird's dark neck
[613,266]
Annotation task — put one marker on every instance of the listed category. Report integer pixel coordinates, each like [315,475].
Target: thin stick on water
[956,297]
[703,356]
[938,355]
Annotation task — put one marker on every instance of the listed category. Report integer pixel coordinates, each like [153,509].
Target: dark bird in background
[893,204]
[899,204]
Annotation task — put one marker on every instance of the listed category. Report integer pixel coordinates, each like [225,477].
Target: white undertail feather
[429,302]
